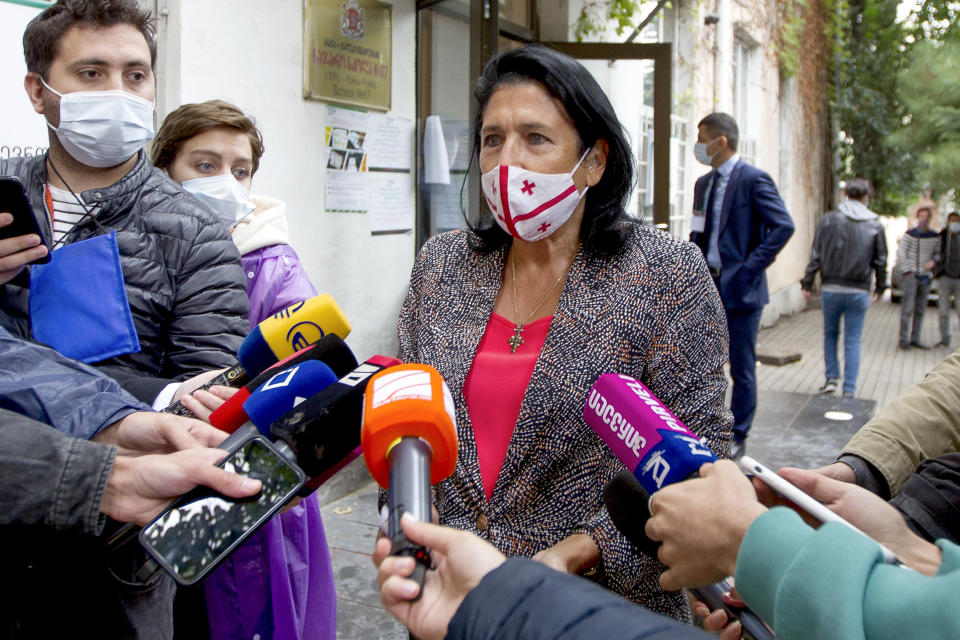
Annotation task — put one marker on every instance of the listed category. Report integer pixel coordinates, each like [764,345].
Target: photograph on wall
[355,161]
[355,139]
[347,52]
[346,183]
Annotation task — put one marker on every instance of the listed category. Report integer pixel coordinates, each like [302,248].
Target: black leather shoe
[919,345]
[943,343]
[905,345]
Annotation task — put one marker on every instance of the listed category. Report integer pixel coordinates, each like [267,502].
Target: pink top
[494,389]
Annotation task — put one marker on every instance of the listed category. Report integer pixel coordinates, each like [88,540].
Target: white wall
[251,53]
[20,125]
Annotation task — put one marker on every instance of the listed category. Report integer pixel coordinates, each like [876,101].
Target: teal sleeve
[832,583]
[808,585]
[905,604]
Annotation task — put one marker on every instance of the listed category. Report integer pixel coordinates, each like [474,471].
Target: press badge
[698,223]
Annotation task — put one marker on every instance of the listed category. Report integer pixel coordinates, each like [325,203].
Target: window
[745,96]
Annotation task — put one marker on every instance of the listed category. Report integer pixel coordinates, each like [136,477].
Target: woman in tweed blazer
[635,301]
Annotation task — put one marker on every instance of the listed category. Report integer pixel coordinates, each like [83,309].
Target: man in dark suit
[740,223]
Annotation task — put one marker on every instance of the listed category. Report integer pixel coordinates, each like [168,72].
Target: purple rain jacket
[279,584]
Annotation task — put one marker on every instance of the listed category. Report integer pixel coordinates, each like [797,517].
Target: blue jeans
[853,308]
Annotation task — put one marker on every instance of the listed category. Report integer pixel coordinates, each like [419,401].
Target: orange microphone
[409,439]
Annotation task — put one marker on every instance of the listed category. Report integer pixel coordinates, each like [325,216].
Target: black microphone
[276,338]
[323,432]
[330,350]
[628,504]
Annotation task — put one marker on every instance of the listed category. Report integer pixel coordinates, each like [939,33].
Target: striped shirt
[67,209]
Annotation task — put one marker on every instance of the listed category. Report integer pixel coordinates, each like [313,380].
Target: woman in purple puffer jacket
[279,584]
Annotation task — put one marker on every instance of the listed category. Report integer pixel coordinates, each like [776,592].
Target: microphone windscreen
[230,416]
[290,330]
[285,390]
[324,431]
[644,435]
[409,400]
[626,502]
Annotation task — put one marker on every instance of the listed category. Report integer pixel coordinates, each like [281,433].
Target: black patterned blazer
[651,312]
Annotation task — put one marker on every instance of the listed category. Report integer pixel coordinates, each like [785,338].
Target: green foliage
[597,15]
[866,101]
[793,22]
[930,86]
[876,78]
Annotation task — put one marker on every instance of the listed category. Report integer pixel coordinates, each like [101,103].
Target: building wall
[786,119]
[251,53]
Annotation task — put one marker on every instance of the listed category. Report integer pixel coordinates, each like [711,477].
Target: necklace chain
[516,340]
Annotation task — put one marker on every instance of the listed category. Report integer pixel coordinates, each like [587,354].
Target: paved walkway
[790,429]
[885,370]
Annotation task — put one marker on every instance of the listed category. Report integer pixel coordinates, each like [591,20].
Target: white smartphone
[785,489]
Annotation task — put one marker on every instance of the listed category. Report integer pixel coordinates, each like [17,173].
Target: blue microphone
[285,390]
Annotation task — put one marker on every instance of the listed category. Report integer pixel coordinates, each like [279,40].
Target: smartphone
[13,200]
[202,528]
[785,489]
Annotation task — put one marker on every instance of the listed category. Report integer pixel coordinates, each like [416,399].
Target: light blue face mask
[103,128]
[224,195]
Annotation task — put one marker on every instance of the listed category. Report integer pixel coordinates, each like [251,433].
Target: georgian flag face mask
[530,205]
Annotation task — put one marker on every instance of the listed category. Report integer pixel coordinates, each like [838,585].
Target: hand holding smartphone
[202,528]
[13,200]
[785,489]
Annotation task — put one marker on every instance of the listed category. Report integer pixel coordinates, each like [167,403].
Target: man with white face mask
[143,282]
[741,224]
[160,280]
[948,272]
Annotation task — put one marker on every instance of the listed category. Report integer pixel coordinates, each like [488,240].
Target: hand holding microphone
[409,441]
[658,451]
[701,523]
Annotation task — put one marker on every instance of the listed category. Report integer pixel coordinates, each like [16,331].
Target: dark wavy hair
[857,188]
[41,38]
[593,117]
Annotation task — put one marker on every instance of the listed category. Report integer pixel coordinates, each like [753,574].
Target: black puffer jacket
[181,269]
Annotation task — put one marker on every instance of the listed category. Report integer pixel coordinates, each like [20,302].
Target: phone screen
[202,528]
[13,200]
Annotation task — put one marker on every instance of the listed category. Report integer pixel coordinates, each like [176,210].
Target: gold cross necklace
[515,340]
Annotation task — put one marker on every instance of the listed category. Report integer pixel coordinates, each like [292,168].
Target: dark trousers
[743,325]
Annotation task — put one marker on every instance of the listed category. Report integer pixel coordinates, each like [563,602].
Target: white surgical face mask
[700,152]
[103,128]
[531,205]
[223,195]
[954,227]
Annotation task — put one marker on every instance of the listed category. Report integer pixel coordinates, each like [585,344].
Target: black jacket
[930,499]
[52,486]
[845,251]
[181,269]
[945,256]
[526,599]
